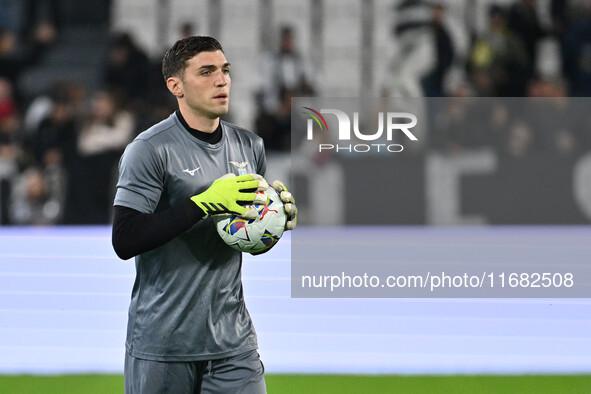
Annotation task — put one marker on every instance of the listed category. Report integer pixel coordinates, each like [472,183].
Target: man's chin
[220,112]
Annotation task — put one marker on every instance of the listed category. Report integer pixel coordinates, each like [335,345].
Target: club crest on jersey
[241,166]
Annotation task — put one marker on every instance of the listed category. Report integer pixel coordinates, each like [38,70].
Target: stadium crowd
[59,150]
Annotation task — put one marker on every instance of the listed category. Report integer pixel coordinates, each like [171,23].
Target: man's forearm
[135,232]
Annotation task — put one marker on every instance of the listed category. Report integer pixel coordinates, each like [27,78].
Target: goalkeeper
[189,330]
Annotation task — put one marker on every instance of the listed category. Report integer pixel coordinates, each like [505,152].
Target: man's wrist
[191,212]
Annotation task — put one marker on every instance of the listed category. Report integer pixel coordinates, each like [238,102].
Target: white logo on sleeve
[191,172]
[240,166]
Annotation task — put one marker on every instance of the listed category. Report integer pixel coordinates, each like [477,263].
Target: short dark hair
[175,59]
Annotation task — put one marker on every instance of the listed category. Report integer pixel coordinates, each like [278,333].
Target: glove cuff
[210,208]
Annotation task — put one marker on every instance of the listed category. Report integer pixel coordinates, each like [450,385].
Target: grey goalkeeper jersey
[187,302]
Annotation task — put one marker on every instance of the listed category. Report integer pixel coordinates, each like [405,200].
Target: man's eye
[207,72]
[226,71]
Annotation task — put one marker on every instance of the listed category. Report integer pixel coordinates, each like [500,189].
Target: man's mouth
[221,96]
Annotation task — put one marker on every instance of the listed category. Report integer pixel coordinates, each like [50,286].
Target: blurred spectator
[59,92]
[128,67]
[187,29]
[283,70]
[34,200]
[51,124]
[555,120]
[7,103]
[520,141]
[51,139]
[41,18]
[559,14]
[458,125]
[524,24]
[284,74]
[103,137]
[432,83]
[496,123]
[275,128]
[498,64]
[10,130]
[10,58]
[414,49]
[576,52]
[108,128]
[15,58]
[9,146]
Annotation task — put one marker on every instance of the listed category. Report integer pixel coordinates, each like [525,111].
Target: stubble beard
[221,112]
[209,113]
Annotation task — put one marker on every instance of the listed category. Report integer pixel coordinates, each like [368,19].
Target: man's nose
[222,79]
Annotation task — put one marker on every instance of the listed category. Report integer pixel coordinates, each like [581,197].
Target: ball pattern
[256,235]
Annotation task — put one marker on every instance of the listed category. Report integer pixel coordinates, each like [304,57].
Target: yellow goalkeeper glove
[289,203]
[229,193]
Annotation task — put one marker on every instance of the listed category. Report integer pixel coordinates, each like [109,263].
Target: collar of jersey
[192,137]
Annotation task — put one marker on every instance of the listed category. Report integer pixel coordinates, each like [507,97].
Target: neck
[207,125]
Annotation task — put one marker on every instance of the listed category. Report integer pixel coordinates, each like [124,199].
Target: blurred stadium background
[78,80]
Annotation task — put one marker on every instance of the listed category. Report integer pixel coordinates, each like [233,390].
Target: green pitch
[326,384]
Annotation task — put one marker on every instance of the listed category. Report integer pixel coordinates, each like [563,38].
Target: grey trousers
[242,374]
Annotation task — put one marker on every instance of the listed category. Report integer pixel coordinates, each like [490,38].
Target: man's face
[206,84]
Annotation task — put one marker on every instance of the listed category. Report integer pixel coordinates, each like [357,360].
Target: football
[256,235]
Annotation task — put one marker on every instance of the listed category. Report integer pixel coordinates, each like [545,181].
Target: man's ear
[175,85]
